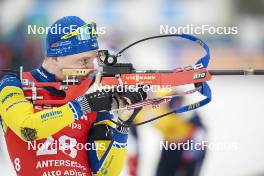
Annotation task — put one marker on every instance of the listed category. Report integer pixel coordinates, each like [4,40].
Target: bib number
[64,143]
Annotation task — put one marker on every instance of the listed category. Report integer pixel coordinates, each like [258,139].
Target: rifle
[123,74]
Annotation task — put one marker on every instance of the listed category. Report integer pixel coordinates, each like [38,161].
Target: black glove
[96,100]
[126,98]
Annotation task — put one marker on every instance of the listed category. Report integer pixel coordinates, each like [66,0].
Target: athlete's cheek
[74,65]
[90,65]
[60,75]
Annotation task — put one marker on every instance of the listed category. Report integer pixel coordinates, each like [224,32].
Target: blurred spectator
[6,56]
[176,129]
[28,47]
[133,152]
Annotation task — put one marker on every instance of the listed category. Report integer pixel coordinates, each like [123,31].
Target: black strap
[100,132]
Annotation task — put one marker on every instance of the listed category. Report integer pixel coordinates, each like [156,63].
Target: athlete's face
[83,60]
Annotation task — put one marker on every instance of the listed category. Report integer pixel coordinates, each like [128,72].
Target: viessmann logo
[140,78]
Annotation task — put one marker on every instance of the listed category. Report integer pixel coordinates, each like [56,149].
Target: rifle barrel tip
[249,71]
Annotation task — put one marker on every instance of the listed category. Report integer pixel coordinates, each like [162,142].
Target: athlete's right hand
[96,100]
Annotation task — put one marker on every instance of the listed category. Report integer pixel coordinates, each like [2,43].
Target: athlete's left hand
[126,98]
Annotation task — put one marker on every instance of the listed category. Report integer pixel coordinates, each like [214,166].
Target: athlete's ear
[55,61]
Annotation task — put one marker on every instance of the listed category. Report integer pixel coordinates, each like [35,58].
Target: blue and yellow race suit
[57,140]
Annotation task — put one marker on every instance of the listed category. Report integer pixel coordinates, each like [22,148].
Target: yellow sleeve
[18,114]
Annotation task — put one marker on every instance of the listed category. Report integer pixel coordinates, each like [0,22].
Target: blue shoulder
[10,79]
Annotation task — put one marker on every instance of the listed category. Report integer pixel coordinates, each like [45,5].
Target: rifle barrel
[237,72]
[213,72]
